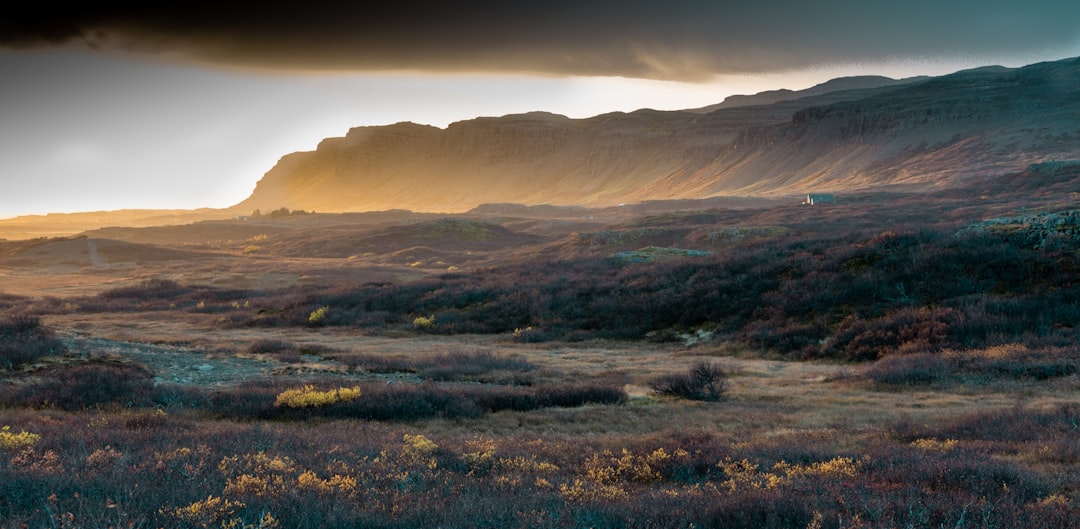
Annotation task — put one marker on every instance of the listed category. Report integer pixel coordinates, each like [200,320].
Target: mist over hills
[847,135]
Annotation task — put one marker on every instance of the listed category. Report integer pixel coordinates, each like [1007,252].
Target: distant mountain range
[849,134]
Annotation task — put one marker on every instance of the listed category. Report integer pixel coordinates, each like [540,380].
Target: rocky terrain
[912,135]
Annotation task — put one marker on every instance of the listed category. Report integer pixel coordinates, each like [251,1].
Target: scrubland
[884,362]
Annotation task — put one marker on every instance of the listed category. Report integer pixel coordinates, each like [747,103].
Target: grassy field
[461,383]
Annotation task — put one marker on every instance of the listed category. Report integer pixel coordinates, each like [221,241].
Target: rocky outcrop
[918,135]
[1037,229]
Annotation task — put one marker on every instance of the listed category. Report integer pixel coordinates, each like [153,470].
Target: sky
[184,107]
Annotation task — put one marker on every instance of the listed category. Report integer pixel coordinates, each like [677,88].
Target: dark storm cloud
[671,40]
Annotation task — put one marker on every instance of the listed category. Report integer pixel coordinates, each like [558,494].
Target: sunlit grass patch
[309,397]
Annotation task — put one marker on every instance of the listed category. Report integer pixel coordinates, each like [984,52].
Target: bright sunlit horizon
[195,137]
[177,107]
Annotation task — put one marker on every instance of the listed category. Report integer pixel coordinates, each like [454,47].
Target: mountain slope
[919,135]
[843,87]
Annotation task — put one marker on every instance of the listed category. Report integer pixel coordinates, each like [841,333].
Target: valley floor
[793,444]
[326,372]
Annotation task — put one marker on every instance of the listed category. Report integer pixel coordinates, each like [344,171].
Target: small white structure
[812,199]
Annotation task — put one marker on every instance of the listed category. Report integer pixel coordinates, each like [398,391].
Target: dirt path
[176,365]
[95,258]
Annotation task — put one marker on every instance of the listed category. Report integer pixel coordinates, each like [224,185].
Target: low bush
[850,295]
[154,469]
[271,346]
[381,401]
[24,339]
[979,366]
[704,381]
[83,386]
[309,397]
[150,289]
[479,366]
[470,366]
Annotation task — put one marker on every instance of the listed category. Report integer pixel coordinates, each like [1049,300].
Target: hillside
[919,135]
[845,88]
[64,224]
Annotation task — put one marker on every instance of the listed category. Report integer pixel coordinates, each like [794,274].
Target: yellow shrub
[258,464]
[310,481]
[584,490]
[629,466]
[481,451]
[836,467]
[261,486]
[933,445]
[211,511]
[521,464]
[743,475]
[1054,500]
[318,315]
[309,397]
[14,441]
[417,451]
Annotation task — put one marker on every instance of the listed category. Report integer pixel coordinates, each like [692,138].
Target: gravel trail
[176,365]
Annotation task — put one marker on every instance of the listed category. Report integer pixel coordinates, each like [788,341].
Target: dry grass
[765,397]
[773,409]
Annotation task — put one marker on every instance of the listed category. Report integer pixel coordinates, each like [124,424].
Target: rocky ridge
[918,136]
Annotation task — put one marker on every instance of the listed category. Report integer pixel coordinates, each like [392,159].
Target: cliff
[919,134]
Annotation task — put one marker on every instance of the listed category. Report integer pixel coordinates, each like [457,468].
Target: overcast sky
[185,108]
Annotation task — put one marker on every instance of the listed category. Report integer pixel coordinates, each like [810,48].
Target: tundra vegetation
[864,364]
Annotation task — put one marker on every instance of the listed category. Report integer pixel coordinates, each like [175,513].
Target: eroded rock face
[919,135]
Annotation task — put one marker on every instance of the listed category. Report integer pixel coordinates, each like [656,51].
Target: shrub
[309,397]
[704,381]
[906,330]
[470,366]
[318,316]
[760,510]
[909,370]
[270,346]
[155,288]
[479,366]
[404,401]
[1003,362]
[23,339]
[89,386]
[13,441]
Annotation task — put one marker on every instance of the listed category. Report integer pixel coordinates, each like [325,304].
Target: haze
[151,109]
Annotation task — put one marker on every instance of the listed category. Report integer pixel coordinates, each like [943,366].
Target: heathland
[890,356]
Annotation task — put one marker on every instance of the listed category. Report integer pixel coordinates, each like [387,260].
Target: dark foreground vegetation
[1003,469]
[23,339]
[93,442]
